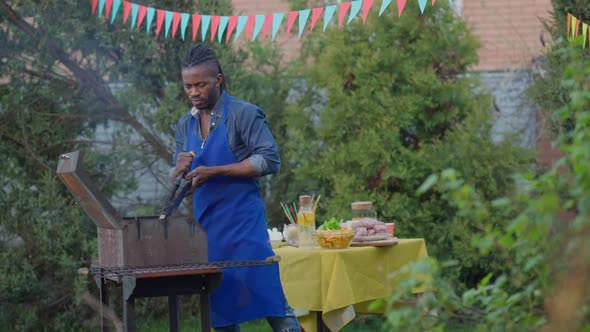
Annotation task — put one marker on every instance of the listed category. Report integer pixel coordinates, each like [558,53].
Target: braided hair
[201,54]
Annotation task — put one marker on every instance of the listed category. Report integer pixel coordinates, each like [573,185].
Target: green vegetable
[331,224]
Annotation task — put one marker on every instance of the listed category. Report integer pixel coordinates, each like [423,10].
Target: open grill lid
[94,203]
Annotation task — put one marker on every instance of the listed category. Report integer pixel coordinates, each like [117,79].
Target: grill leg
[173,313]
[129,314]
[205,312]
[104,296]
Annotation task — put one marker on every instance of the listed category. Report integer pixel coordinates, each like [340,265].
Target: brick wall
[509,31]
[291,44]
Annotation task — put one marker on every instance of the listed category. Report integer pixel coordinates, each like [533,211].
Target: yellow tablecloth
[331,281]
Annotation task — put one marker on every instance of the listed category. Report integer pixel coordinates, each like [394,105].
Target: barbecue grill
[147,256]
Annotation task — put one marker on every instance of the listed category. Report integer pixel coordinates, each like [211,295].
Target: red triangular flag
[250,26]
[126,10]
[196,23]
[291,19]
[141,14]
[267,24]
[160,15]
[109,6]
[342,12]
[214,25]
[367,4]
[400,6]
[175,22]
[94,5]
[233,21]
[315,16]
[569,23]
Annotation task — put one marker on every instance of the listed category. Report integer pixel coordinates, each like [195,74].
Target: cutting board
[392,241]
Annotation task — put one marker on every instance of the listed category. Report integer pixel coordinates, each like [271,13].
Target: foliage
[547,284]
[44,242]
[384,105]
[547,90]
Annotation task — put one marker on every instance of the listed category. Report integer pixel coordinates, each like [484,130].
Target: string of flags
[253,26]
[573,31]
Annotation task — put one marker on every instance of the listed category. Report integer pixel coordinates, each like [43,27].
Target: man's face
[202,85]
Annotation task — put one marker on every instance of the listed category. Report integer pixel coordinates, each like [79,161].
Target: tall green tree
[546,285]
[65,74]
[548,90]
[389,102]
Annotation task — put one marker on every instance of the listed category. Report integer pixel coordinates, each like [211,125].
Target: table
[330,282]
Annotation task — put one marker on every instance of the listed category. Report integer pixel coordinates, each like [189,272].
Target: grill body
[138,241]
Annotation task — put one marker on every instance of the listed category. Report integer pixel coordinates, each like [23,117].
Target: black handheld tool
[181,186]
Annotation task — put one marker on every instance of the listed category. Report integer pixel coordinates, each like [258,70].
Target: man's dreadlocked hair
[202,54]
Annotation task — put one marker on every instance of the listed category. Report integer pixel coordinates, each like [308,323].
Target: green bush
[546,285]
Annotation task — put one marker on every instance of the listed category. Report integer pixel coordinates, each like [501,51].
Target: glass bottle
[306,221]
[362,210]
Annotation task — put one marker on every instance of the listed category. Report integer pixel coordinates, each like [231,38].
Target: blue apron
[231,211]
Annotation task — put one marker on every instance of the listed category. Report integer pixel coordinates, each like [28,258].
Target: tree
[547,90]
[546,287]
[386,104]
[68,73]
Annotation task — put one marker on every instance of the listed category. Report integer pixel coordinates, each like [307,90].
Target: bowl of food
[334,238]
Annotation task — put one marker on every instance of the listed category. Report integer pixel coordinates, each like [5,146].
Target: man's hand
[199,176]
[184,161]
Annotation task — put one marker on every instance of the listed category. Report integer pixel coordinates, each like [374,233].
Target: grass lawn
[361,324]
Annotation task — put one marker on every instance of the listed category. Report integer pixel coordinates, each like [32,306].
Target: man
[223,144]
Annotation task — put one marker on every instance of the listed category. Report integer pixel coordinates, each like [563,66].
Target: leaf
[486,279]
[500,202]
[430,181]
[376,305]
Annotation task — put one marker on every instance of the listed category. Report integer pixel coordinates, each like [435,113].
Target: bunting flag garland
[573,25]
[257,25]
[292,17]
[422,5]
[315,16]
[184,18]
[205,21]
[342,12]
[367,4]
[116,5]
[400,6]
[276,23]
[303,15]
[328,13]
[242,21]
[355,7]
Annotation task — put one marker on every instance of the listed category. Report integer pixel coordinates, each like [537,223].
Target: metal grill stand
[140,282]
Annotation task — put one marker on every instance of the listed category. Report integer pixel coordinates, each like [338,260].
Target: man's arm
[255,133]
[181,160]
